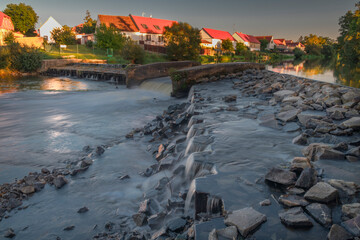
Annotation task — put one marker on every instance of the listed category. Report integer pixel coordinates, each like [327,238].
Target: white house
[47,27]
[248,40]
[213,38]
[269,39]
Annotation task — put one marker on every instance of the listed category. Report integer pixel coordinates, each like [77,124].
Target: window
[148,37]
[161,38]
[144,26]
[157,27]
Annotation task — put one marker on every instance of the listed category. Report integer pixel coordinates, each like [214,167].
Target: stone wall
[46,64]
[137,74]
[183,79]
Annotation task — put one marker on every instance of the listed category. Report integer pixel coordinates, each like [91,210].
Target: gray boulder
[320,151]
[307,178]
[288,115]
[295,217]
[59,182]
[350,188]
[352,226]
[280,95]
[321,192]
[338,233]
[300,163]
[321,213]
[293,201]
[353,123]
[284,177]
[351,210]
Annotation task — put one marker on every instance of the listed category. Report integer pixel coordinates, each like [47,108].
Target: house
[6,26]
[269,39]
[47,27]
[123,24]
[280,44]
[212,38]
[248,40]
[293,45]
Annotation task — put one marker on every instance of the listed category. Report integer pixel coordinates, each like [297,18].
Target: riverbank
[212,152]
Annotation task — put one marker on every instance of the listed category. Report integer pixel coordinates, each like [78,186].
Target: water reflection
[326,70]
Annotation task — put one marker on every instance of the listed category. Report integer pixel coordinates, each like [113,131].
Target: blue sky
[281,18]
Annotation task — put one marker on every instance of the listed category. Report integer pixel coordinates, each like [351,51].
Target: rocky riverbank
[254,155]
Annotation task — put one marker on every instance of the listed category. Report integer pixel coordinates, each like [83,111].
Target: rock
[86,163]
[124,177]
[301,139]
[332,101]
[232,109]
[109,226]
[27,189]
[266,202]
[69,228]
[227,233]
[166,163]
[341,147]
[160,152]
[307,178]
[351,210]
[140,219]
[10,233]
[177,225]
[349,188]
[352,158]
[320,151]
[321,192]
[284,177]
[295,217]
[350,96]
[305,117]
[293,201]
[230,98]
[294,190]
[162,183]
[83,210]
[291,99]
[338,233]
[59,182]
[177,202]
[288,115]
[291,127]
[352,226]
[149,207]
[298,164]
[353,123]
[280,95]
[161,233]
[213,235]
[337,115]
[354,152]
[321,213]
[99,151]
[246,220]
[156,220]
[45,171]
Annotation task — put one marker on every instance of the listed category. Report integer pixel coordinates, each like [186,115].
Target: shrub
[133,52]
[298,53]
[89,44]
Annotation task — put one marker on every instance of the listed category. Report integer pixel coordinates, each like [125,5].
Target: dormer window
[145,26]
[157,27]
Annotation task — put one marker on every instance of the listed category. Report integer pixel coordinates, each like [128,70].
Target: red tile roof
[205,41]
[218,34]
[77,26]
[151,25]
[268,38]
[248,38]
[280,42]
[288,41]
[123,23]
[5,22]
[295,44]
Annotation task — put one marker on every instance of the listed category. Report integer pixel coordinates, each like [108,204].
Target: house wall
[45,30]
[36,42]
[3,33]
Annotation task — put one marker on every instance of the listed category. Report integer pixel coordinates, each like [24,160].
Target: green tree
[133,52]
[240,48]
[23,17]
[263,44]
[63,35]
[88,26]
[182,42]
[349,40]
[227,45]
[298,53]
[109,37]
[9,38]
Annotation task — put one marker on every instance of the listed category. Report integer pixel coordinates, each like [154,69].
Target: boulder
[291,127]
[349,188]
[354,152]
[281,176]
[228,233]
[294,190]
[295,217]
[177,225]
[338,233]
[59,182]
[353,123]
[140,219]
[230,98]
[320,151]
[291,99]
[337,115]
[305,117]
[288,116]
[301,139]
[350,96]
[266,202]
[83,210]
[9,233]
[307,178]
[300,163]
[352,226]
[246,220]
[351,210]
[321,213]
[321,192]
[27,189]
[293,201]
[280,95]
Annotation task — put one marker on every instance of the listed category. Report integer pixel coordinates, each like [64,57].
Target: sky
[288,19]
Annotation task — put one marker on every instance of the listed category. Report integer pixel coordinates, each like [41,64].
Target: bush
[298,53]
[89,44]
[133,52]
[313,49]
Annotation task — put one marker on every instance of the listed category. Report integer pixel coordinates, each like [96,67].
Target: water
[320,69]
[45,122]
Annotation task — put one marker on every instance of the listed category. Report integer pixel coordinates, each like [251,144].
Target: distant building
[293,45]
[212,39]
[248,40]
[270,40]
[47,27]
[6,26]
[280,44]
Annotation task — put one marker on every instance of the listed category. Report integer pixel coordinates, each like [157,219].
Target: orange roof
[267,38]
[77,26]
[122,23]
[218,34]
[288,41]
[151,25]
[280,42]
[5,22]
[295,44]
[248,38]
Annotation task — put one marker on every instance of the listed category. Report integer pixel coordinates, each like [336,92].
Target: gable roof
[151,25]
[289,41]
[280,42]
[50,22]
[267,38]
[295,44]
[247,38]
[123,23]
[218,34]
[5,22]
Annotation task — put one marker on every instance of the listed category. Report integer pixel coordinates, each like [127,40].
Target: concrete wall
[183,79]
[46,64]
[137,74]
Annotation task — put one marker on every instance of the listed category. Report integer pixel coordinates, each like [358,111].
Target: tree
[349,40]
[263,44]
[23,17]
[109,37]
[227,45]
[298,53]
[133,52]
[182,42]
[89,24]
[240,48]
[63,35]
[9,38]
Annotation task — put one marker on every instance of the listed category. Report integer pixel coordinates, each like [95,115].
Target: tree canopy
[88,26]
[109,37]
[182,41]
[23,17]
[227,45]
[63,35]
[240,48]
[263,44]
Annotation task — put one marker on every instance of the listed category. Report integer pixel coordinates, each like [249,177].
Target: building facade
[46,29]
[248,40]
[6,26]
